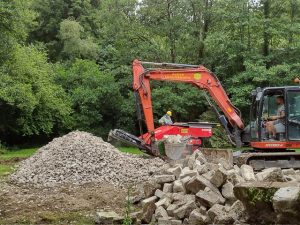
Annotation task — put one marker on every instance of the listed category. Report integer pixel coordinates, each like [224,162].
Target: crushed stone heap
[79,158]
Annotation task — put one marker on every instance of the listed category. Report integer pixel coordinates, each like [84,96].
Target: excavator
[263,152]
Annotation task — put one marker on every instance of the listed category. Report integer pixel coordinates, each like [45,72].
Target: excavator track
[262,160]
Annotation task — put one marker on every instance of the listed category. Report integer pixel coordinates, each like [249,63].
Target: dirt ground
[60,205]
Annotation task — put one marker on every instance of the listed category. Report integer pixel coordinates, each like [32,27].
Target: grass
[131,150]
[5,169]
[23,153]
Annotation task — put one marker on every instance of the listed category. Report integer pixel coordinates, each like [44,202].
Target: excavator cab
[264,107]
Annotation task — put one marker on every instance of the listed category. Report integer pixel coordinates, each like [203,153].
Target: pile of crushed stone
[78,158]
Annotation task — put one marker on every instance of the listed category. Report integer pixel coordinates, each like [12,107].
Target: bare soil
[59,205]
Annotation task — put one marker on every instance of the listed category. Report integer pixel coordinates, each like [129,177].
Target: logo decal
[197,76]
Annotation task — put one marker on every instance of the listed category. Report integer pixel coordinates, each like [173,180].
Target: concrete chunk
[160,212]
[168,188]
[209,198]
[196,218]
[148,201]
[271,174]
[175,171]
[160,194]
[161,179]
[198,183]
[178,186]
[247,173]
[150,188]
[171,208]
[185,210]
[165,202]
[227,191]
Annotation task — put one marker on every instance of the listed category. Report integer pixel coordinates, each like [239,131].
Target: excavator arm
[198,76]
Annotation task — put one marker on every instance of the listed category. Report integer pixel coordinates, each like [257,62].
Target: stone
[109,217]
[286,203]
[148,201]
[271,174]
[215,210]
[178,187]
[216,177]
[160,212]
[164,221]
[289,172]
[161,179]
[209,198]
[198,183]
[148,211]
[236,210]
[171,208]
[160,194]
[176,171]
[227,191]
[247,173]
[191,161]
[176,222]
[197,218]
[201,169]
[235,179]
[168,188]
[185,180]
[186,172]
[165,202]
[237,169]
[185,210]
[201,158]
[150,188]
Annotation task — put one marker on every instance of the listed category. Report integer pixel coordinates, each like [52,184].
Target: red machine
[265,152]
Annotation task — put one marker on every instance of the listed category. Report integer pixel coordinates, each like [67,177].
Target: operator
[277,123]
[296,80]
[166,119]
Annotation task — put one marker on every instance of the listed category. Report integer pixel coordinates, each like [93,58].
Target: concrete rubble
[219,194]
[79,157]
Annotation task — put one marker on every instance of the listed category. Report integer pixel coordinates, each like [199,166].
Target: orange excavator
[264,152]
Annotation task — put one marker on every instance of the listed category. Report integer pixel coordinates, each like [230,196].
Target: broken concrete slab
[178,186]
[176,171]
[161,179]
[227,191]
[185,210]
[273,174]
[165,202]
[108,217]
[150,188]
[247,173]
[209,198]
[160,194]
[198,183]
[197,218]
[160,212]
[168,187]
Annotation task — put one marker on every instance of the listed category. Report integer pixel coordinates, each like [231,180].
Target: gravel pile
[79,158]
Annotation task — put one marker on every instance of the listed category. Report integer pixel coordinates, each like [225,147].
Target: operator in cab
[166,119]
[277,123]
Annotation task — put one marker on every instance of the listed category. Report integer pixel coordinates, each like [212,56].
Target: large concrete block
[175,171]
[273,174]
[209,198]
[197,218]
[161,179]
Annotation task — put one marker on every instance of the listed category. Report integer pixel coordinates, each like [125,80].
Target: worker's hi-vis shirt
[166,120]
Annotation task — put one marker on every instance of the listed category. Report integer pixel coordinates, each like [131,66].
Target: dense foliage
[65,64]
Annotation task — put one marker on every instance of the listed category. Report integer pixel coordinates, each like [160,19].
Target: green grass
[23,153]
[5,169]
[131,150]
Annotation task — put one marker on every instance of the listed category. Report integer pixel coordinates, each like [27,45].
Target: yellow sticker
[197,76]
[229,109]
[184,131]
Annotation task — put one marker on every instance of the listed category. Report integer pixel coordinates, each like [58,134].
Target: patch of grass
[5,169]
[65,218]
[23,153]
[131,150]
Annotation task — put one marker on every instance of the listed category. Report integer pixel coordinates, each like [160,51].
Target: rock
[148,211]
[289,172]
[171,208]
[164,221]
[168,188]
[160,194]
[160,212]
[198,183]
[235,178]
[150,188]
[178,186]
[237,169]
[191,161]
[175,171]
[215,210]
[247,173]
[165,202]
[109,217]
[227,191]
[286,203]
[181,199]
[161,179]
[201,158]
[201,169]
[216,177]
[148,201]
[237,210]
[185,210]
[185,180]
[197,218]
[186,172]
[271,174]
[209,198]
